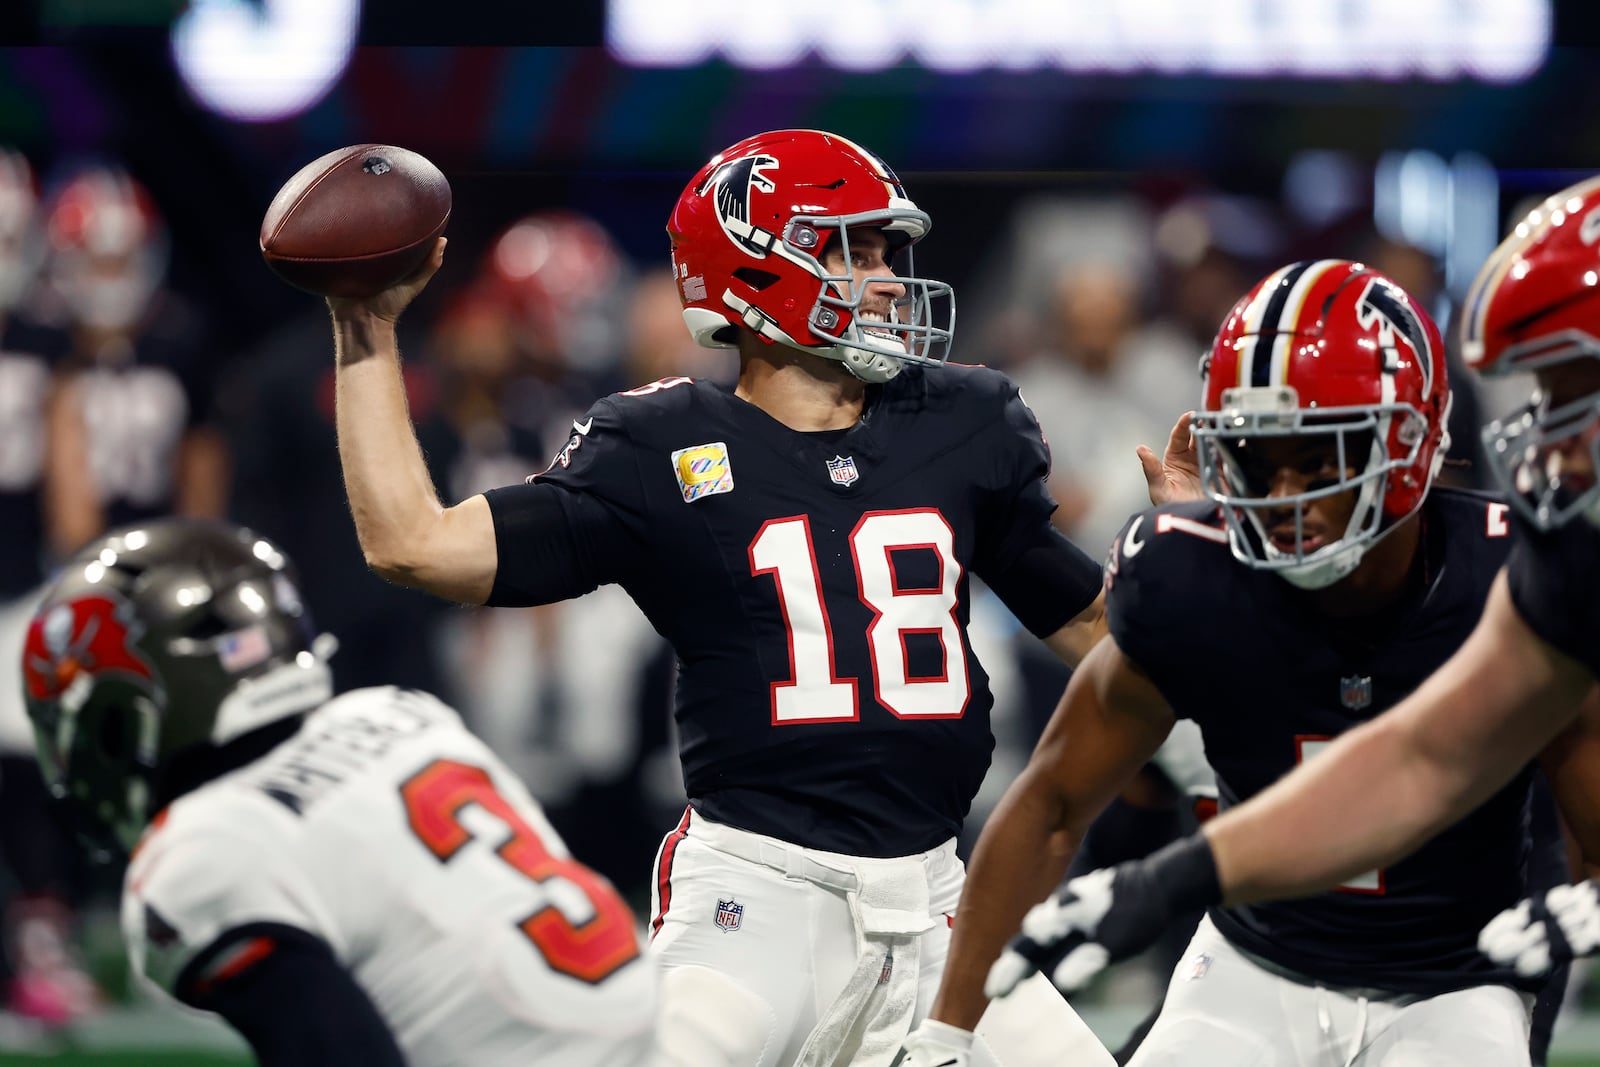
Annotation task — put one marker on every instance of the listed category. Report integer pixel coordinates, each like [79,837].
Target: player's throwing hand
[388,303]
[1538,935]
[1107,916]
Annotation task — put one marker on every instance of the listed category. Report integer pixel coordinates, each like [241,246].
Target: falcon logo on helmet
[734,181]
[1385,306]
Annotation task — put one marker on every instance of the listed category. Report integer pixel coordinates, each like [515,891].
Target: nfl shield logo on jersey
[1355,692]
[729,915]
[842,469]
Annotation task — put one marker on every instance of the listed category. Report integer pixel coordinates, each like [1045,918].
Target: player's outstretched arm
[1110,721]
[1376,794]
[1384,788]
[1175,477]
[406,534]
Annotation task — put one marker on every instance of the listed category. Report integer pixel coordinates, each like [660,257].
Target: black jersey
[1555,585]
[815,589]
[135,415]
[1270,683]
[28,355]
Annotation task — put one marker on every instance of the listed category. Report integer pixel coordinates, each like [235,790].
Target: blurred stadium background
[1105,179]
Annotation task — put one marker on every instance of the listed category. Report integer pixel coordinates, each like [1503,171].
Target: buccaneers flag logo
[90,635]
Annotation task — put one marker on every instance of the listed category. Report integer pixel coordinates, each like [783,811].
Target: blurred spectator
[1103,380]
[39,974]
[1211,247]
[564,280]
[129,425]
[657,343]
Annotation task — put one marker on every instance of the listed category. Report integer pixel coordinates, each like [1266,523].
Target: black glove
[1107,916]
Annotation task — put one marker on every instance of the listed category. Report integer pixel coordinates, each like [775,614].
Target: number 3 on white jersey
[813,691]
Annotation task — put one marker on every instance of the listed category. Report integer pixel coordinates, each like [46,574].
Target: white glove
[1537,935]
[935,1044]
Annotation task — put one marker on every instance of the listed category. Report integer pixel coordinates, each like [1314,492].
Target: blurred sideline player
[351,879]
[1328,583]
[1524,680]
[804,541]
[130,429]
[39,975]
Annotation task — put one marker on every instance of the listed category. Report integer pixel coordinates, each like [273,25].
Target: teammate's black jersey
[135,415]
[1555,584]
[28,355]
[1270,683]
[815,589]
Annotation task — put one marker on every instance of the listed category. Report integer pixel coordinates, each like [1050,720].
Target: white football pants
[785,923]
[1223,1008]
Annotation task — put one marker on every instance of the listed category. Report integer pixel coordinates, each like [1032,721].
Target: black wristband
[1185,874]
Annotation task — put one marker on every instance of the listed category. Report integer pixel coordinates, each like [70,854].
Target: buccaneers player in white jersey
[351,879]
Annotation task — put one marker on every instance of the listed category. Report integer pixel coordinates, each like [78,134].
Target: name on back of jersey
[332,749]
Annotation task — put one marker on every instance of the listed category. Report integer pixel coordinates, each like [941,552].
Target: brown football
[355,221]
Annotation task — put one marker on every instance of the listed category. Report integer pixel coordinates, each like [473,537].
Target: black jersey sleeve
[1040,575]
[286,994]
[575,526]
[1151,573]
[1555,584]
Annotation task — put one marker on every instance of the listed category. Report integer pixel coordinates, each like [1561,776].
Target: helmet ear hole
[113,736]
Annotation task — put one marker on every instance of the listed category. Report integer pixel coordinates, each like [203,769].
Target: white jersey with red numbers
[390,832]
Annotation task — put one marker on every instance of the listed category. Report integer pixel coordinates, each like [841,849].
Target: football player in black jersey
[805,541]
[1315,584]
[1522,683]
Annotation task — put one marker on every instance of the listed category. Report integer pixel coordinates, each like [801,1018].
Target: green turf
[140,1058]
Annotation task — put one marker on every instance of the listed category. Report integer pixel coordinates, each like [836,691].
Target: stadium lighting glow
[266,60]
[1490,40]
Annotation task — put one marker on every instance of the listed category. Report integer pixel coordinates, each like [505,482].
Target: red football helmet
[748,235]
[108,248]
[559,273]
[1327,349]
[20,247]
[1533,308]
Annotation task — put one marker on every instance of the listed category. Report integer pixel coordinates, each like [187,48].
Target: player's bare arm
[406,534]
[1074,640]
[73,513]
[1110,721]
[1571,763]
[1385,787]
